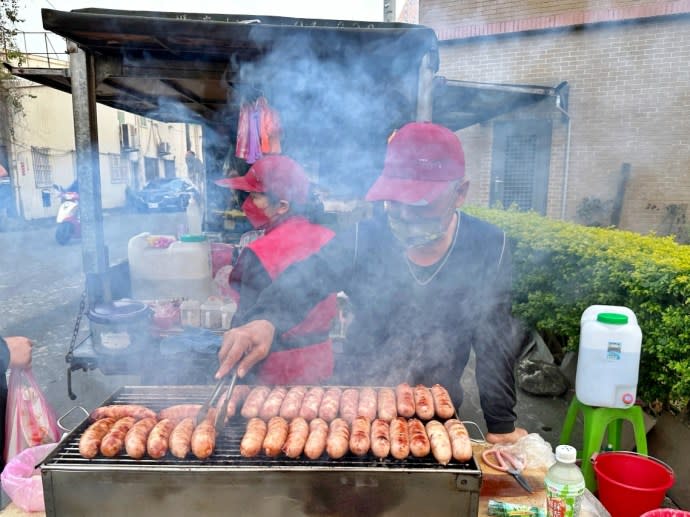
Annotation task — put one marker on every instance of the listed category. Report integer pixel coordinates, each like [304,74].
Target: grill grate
[227,453]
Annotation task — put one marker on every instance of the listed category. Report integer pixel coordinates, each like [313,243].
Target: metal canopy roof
[185,67]
[189,67]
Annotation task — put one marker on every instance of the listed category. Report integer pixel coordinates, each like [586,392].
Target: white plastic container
[564,484]
[227,311]
[211,317]
[609,357]
[194,217]
[190,313]
[182,270]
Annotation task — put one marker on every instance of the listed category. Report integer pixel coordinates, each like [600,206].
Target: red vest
[292,241]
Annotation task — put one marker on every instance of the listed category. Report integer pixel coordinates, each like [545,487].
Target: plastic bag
[22,482]
[29,420]
[532,450]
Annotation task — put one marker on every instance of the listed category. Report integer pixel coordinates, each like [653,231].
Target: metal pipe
[566,159]
[94,253]
[425,90]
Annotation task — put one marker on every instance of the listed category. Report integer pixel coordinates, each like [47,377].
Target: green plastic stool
[597,421]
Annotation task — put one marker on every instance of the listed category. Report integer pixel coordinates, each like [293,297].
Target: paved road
[40,287]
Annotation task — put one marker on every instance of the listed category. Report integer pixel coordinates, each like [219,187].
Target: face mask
[416,234]
[255,215]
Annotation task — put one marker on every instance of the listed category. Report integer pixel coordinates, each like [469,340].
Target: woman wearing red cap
[279,203]
[428,284]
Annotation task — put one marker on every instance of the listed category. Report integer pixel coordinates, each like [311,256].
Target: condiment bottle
[227,311]
[190,315]
[565,484]
[210,314]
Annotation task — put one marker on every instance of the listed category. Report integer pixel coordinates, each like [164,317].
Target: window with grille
[43,171]
[518,179]
[118,169]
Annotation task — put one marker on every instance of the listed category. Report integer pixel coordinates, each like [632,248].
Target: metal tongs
[220,415]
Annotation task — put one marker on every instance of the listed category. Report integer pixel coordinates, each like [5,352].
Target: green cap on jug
[612,318]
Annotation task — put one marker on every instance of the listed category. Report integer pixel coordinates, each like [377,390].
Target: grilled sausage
[443,405]
[400,438]
[292,402]
[179,412]
[328,410]
[254,401]
[114,441]
[118,411]
[157,443]
[338,438]
[316,441]
[440,442]
[360,437]
[423,402]
[276,434]
[311,403]
[419,441]
[386,402]
[90,441]
[181,438]
[367,403]
[348,404]
[135,441]
[298,431]
[239,393]
[404,397]
[271,406]
[204,439]
[380,438]
[253,438]
[460,442]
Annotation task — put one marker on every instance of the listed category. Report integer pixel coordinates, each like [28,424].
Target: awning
[185,67]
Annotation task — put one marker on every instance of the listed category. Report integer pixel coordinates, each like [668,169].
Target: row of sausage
[151,436]
[348,403]
[400,438]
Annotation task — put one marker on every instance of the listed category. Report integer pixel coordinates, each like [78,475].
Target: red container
[221,255]
[666,512]
[631,484]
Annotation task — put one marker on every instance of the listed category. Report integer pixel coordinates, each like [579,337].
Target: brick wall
[629,102]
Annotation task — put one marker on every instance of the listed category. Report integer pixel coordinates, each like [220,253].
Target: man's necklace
[442,263]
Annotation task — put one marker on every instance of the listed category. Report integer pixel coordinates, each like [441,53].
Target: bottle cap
[612,318]
[566,454]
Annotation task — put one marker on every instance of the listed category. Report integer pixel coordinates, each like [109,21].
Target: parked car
[162,194]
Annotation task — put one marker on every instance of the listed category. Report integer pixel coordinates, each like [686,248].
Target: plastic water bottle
[565,484]
[193,217]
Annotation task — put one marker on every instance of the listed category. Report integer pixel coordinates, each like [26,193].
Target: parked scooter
[67,219]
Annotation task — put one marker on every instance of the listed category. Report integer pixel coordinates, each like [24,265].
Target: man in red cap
[427,284]
[279,204]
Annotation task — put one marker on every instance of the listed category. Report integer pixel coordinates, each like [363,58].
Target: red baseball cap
[278,175]
[421,160]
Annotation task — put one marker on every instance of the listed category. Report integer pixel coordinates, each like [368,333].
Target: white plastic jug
[182,270]
[609,357]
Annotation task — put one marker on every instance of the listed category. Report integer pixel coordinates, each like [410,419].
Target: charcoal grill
[229,484]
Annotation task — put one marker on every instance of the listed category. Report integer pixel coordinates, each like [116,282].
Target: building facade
[39,151]
[617,151]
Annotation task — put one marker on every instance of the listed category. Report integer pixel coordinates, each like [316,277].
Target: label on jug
[115,340]
[564,500]
[613,352]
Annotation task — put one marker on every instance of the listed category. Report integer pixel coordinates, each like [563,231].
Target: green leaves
[561,268]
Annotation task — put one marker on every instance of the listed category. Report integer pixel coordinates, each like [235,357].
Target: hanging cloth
[242,145]
[269,128]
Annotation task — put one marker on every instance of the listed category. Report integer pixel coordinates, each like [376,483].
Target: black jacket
[408,329]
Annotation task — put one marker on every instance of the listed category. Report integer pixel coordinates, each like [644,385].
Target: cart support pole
[94,253]
[425,88]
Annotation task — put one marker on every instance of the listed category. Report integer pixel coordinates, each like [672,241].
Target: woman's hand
[20,351]
[246,345]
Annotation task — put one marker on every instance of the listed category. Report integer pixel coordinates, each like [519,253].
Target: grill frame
[227,480]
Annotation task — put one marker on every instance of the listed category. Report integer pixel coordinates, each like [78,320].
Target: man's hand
[20,351]
[506,438]
[247,344]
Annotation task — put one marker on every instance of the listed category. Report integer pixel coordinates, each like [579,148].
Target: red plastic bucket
[666,512]
[631,484]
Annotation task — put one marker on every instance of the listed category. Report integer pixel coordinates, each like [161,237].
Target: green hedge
[562,268]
